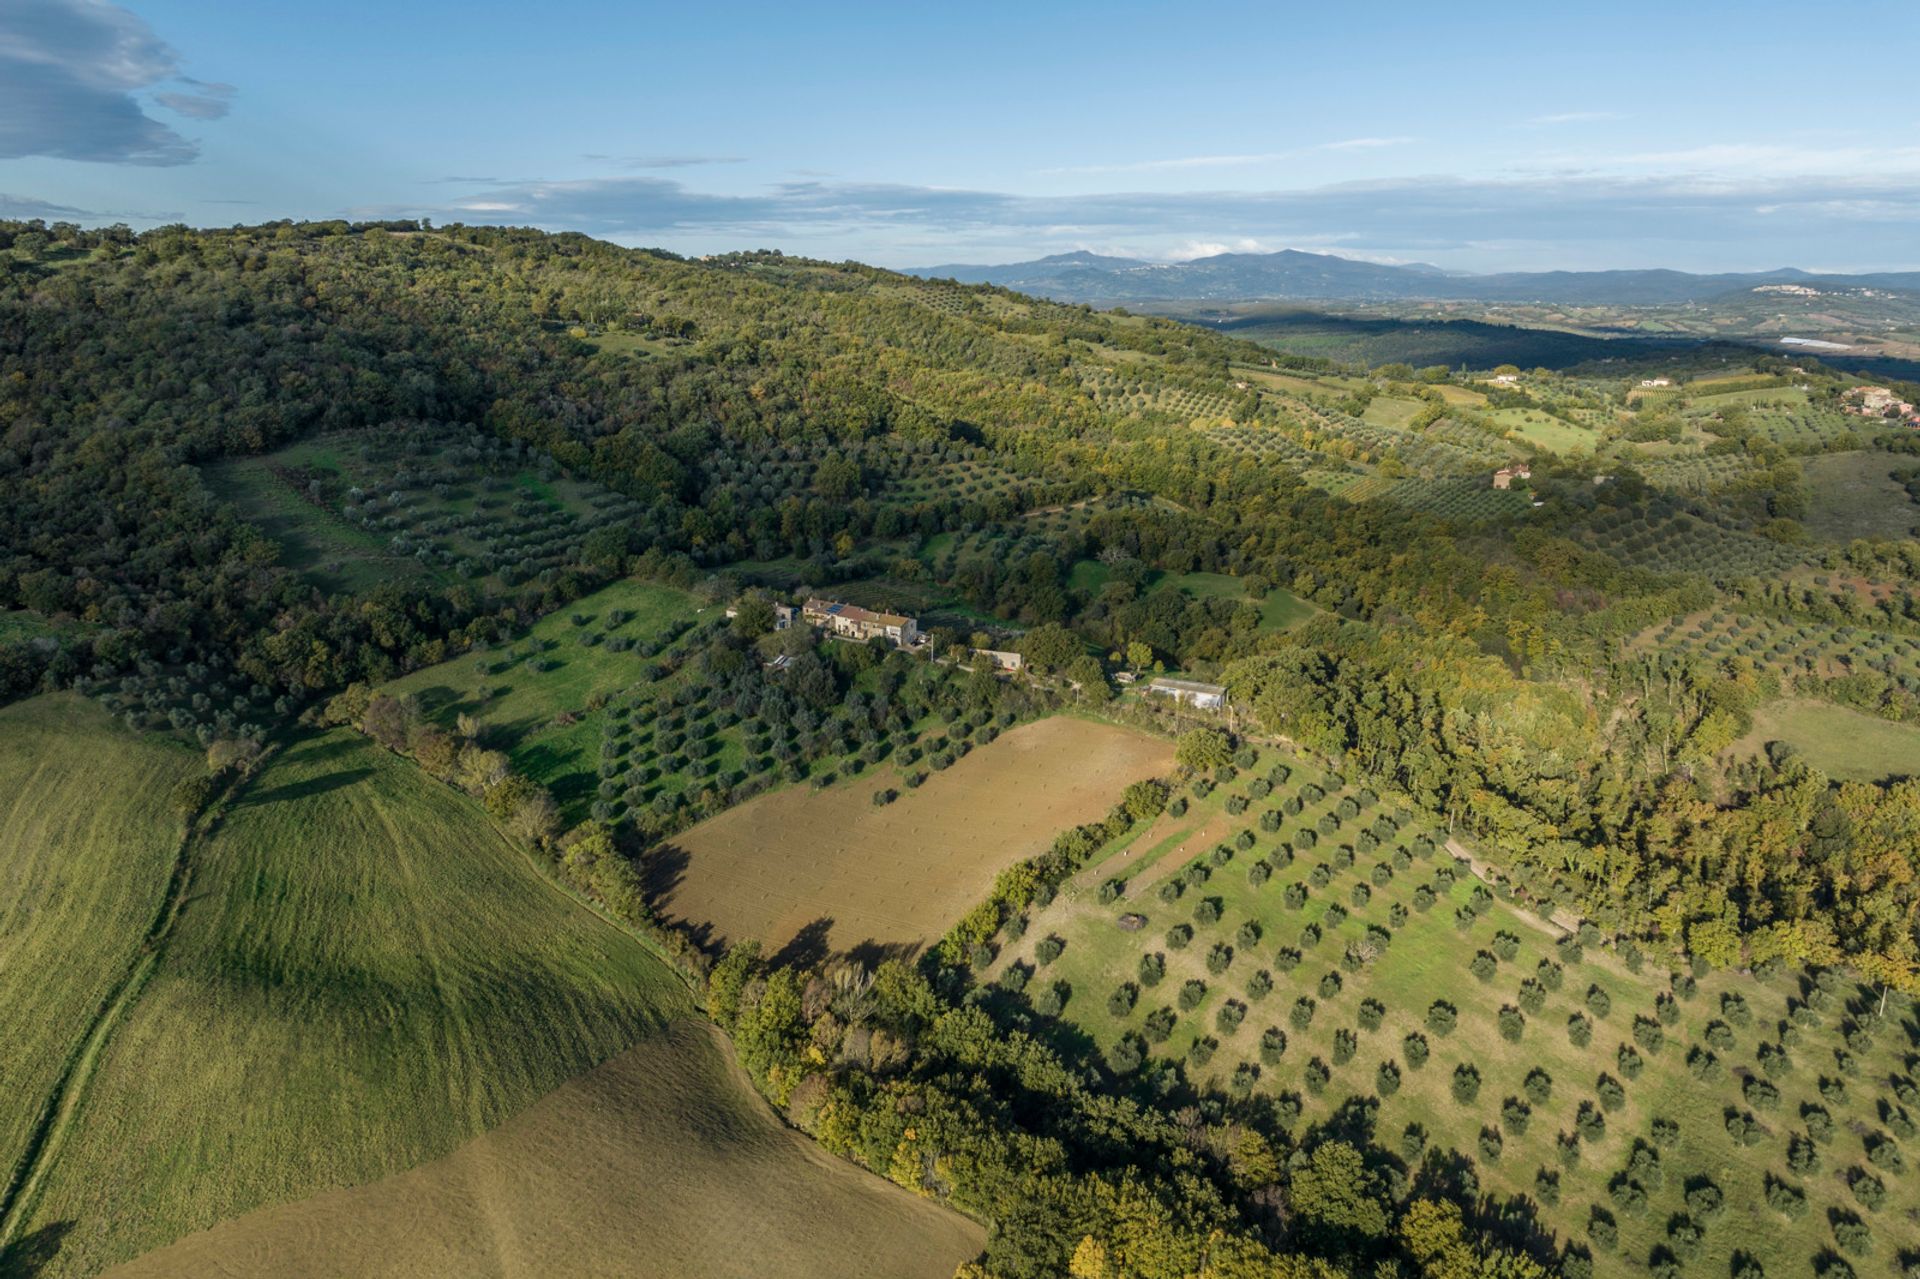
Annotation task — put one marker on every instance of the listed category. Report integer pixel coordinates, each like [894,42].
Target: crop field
[1804,648]
[353,509]
[1695,473]
[1853,496]
[1469,500]
[1289,936]
[539,697]
[364,975]
[834,870]
[1845,744]
[335,555]
[91,839]
[1115,393]
[1672,540]
[660,1164]
[1544,430]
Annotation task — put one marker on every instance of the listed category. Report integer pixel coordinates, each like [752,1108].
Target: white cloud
[1363,144]
[69,73]
[1576,117]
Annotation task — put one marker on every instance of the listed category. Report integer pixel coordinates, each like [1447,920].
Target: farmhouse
[1506,475]
[1203,697]
[1506,379]
[1002,659]
[1655,383]
[854,622]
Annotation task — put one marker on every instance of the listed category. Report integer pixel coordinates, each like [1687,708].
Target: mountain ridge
[1293,274]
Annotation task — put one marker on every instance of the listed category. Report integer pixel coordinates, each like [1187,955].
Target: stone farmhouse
[854,622]
[1506,475]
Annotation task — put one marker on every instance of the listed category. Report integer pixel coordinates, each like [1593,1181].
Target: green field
[91,839]
[1842,743]
[1279,608]
[1851,496]
[1386,951]
[1544,430]
[333,554]
[533,700]
[364,975]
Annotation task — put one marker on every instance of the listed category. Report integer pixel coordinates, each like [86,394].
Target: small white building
[1202,697]
[1655,383]
[1002,659]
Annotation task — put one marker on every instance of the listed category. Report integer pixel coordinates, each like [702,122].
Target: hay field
[89,847]
[852,875]
[364,975]
[659,1164]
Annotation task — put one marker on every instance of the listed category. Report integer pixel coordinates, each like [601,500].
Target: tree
[1335,1193]
[1201,750]
[1050,647]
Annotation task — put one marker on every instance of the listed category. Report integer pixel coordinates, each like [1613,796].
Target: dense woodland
[1485,671]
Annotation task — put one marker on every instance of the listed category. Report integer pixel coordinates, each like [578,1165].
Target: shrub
[1442,1017]
[1125,1056]
[1160,1023]
[1345,1045]
[1110,891]
[1414,1048]
[1330,985]
[1273,1045]
[1386,1079]
[1868,1189]
[1372,1013]
[1231,1014]
[1286,959]
[1179,935]
[1491,1144]
[1466,1084]
[1589,1122]
[1048,949]
[1207,912]
[1123,998]
[1599,1003]
[1295,897]
[1316,1076]
[1538,1086]
[1505,945]
[1260,984]
[1191,993]
[1201,1051]
[1648,1034]
[1516,1115]
[1666,1132]
[1153,968]
[1219,958]
[1248,934]
[1301,1015]
[1051,1000]
[1533,997]
[1483,965]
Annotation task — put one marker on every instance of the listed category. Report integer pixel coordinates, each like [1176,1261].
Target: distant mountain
[1292,275]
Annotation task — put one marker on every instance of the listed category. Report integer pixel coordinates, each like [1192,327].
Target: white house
[1202,697]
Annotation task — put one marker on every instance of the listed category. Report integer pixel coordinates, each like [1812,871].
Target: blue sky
[1485,137]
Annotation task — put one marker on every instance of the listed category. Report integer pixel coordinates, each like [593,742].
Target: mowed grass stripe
[90,841]
[365,975]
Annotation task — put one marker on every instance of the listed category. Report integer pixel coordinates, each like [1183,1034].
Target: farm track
[70,1090]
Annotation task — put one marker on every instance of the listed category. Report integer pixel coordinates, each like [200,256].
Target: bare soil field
[828,870]
[642,1167]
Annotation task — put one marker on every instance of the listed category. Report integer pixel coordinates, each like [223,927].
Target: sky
[1484,137]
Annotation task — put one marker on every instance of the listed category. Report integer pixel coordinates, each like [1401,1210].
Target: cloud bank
[1552,217]
[70,73]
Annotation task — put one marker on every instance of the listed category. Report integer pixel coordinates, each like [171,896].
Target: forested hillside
[246,471]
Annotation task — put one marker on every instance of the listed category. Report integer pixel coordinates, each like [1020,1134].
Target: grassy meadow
[1304,965]
[1845,744]
[365,975]
[91,842]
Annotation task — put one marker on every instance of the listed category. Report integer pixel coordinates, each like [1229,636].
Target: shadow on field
[662,867]
[309,787]
[806,947]
[27,1257]
[870,954]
